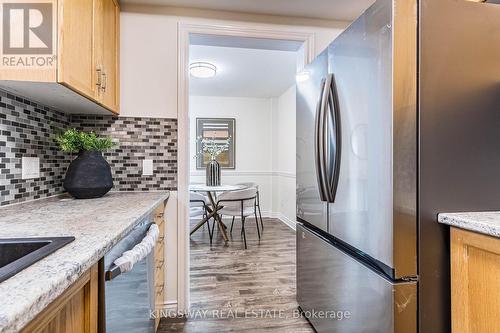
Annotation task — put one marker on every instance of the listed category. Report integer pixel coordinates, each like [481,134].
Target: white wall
[283,162]
[148,66]
[149,51]
[264,146]
[253,151]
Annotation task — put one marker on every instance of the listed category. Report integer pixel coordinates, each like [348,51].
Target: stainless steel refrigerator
[398,120]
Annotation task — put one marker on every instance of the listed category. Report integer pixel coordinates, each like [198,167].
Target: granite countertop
[96,224]
[487,223]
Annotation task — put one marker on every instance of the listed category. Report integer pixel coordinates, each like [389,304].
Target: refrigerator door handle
[319,141]
[332,139]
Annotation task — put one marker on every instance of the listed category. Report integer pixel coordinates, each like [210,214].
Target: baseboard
[281,217]
[290,223]
[169,305]
[271,215]
[265,214]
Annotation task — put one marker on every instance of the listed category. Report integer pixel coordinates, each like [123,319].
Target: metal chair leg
[209,231]
[243,230]
[257,223]
[232,223]
[213,227]
[243,226]
[260,215]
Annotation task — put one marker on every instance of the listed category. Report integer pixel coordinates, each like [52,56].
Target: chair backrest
[196,199]
[249,185]
[248,196]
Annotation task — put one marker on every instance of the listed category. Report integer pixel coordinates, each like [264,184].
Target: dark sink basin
[18,253]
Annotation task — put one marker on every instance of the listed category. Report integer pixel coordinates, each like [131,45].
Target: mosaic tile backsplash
[27,130]
[139,139]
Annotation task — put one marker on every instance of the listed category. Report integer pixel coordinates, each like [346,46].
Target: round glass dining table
[211,192]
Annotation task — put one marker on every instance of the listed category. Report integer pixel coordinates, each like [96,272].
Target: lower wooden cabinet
[159,256]
[475,282]
[75,311]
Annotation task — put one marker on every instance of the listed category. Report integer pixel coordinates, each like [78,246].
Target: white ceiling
[344,10]
[243,72]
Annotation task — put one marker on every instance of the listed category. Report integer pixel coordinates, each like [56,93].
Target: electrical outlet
[147,167]
[30,167]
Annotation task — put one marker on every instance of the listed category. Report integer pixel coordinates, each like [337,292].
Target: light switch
[30,167]
[147,167]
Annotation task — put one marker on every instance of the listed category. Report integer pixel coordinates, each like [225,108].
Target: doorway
[185,157]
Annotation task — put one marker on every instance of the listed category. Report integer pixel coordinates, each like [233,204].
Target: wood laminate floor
[238,290]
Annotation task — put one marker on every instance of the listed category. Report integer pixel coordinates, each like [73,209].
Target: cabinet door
[75,311]
[475,282]
[75,46]
[107,52]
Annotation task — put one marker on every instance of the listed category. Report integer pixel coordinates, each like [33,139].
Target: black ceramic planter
[88,176]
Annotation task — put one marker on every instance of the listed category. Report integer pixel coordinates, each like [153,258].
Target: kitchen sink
[18,253]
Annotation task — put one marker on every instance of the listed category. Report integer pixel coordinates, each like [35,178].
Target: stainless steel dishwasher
[129,296]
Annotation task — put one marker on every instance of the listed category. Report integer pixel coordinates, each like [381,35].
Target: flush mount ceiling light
[202,70]
[302,76]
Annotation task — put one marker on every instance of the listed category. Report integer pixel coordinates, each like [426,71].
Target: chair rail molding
[233,173]
[184,30]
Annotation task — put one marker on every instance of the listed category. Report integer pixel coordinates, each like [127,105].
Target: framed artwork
[218,129]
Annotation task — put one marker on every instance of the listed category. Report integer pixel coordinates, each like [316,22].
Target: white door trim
[184,30]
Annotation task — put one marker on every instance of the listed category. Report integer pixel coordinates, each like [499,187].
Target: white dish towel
[140,251]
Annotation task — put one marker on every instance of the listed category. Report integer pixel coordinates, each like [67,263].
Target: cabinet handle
[104,81]
[98,81]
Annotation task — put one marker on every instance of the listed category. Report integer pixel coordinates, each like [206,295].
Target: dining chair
[198,209]
[207,201]
[257,201]
[239,203]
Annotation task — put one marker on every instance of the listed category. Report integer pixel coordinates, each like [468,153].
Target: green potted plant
[89,174]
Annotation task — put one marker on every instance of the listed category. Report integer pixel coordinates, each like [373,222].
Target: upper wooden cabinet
[76,68]
[84,78]
[107,51]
